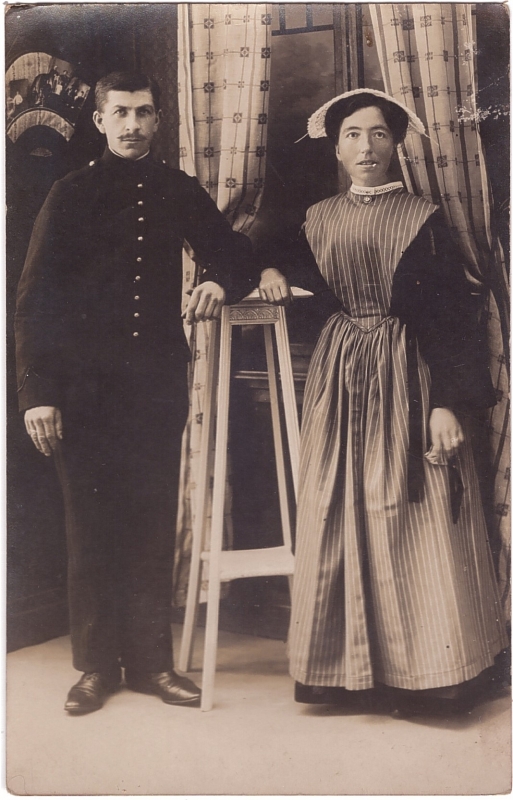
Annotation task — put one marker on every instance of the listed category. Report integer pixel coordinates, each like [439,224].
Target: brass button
[141,219]
[138,258]
[367,199]
[137,277]
[135,333]
[137,297]
[139,238]
[136,314]
[140,203]
[139,186]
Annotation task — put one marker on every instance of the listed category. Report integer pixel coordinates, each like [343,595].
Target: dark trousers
[118,465]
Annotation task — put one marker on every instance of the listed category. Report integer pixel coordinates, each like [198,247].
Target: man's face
[129,121]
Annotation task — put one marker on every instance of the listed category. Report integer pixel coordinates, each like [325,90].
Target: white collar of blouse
[371,191]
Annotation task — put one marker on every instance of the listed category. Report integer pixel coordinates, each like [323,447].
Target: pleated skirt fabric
[385,590]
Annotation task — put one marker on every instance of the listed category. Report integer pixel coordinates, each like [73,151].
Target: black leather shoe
[90,692]
[361,701]
[444,702]
[170,687]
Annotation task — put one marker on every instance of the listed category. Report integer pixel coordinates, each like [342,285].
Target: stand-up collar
[135,166]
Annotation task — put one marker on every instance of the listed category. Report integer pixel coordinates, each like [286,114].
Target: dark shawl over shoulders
[432,296]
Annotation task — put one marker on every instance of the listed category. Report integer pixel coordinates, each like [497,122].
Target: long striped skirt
[385,589]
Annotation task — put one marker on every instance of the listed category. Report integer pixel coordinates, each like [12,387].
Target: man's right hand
[44,426]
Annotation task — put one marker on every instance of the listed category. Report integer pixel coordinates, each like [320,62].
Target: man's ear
[98,121]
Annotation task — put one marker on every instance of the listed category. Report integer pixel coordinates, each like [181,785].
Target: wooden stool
[228,565]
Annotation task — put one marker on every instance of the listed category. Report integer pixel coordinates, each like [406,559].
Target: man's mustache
[132,138]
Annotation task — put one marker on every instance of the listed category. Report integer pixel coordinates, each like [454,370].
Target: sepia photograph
[257,399]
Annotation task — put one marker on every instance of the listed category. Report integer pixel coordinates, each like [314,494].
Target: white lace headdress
[316,123]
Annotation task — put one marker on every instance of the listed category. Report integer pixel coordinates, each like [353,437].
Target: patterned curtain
[427,57]
[223,72]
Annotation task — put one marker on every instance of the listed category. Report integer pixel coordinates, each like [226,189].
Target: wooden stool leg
[216,536]
[289,395]
[198,532]
[277,436]
[289,403]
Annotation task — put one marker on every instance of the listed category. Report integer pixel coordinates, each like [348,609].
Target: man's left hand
[206,302]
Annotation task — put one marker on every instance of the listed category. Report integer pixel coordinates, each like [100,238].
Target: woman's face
[365,147]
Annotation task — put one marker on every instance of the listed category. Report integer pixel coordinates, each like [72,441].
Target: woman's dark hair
[394,116]
[125,82]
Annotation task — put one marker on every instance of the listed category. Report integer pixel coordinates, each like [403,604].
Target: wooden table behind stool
[229,565]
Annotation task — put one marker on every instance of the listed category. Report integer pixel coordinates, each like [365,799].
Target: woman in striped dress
[394,583]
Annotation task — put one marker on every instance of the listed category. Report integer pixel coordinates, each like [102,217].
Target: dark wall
[493,99]
[96,39]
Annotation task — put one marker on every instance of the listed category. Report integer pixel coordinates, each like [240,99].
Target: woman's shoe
[367,700]
[446,701]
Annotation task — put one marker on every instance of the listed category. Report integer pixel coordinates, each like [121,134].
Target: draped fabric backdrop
[426,53]
[223,72]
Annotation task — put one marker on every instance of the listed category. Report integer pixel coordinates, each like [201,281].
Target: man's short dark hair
[394,116]
[125,82]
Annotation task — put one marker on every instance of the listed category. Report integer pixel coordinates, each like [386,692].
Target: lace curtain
[223,72]
[426,53]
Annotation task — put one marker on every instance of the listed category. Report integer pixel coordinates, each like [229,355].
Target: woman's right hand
[446,436]
[274,287]
[44,426]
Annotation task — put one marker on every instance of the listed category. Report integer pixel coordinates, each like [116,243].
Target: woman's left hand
[274,287]
[446,436]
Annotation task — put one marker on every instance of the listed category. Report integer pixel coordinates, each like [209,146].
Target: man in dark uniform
[102,366]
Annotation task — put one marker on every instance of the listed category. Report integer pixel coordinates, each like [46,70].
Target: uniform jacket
[102,282]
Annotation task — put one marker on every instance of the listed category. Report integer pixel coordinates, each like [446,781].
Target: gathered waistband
[357,321]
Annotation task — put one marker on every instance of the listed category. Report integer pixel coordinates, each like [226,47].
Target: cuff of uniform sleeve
[236,289]
[37,391]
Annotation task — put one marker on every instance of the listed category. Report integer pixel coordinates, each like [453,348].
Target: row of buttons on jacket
[139,260]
